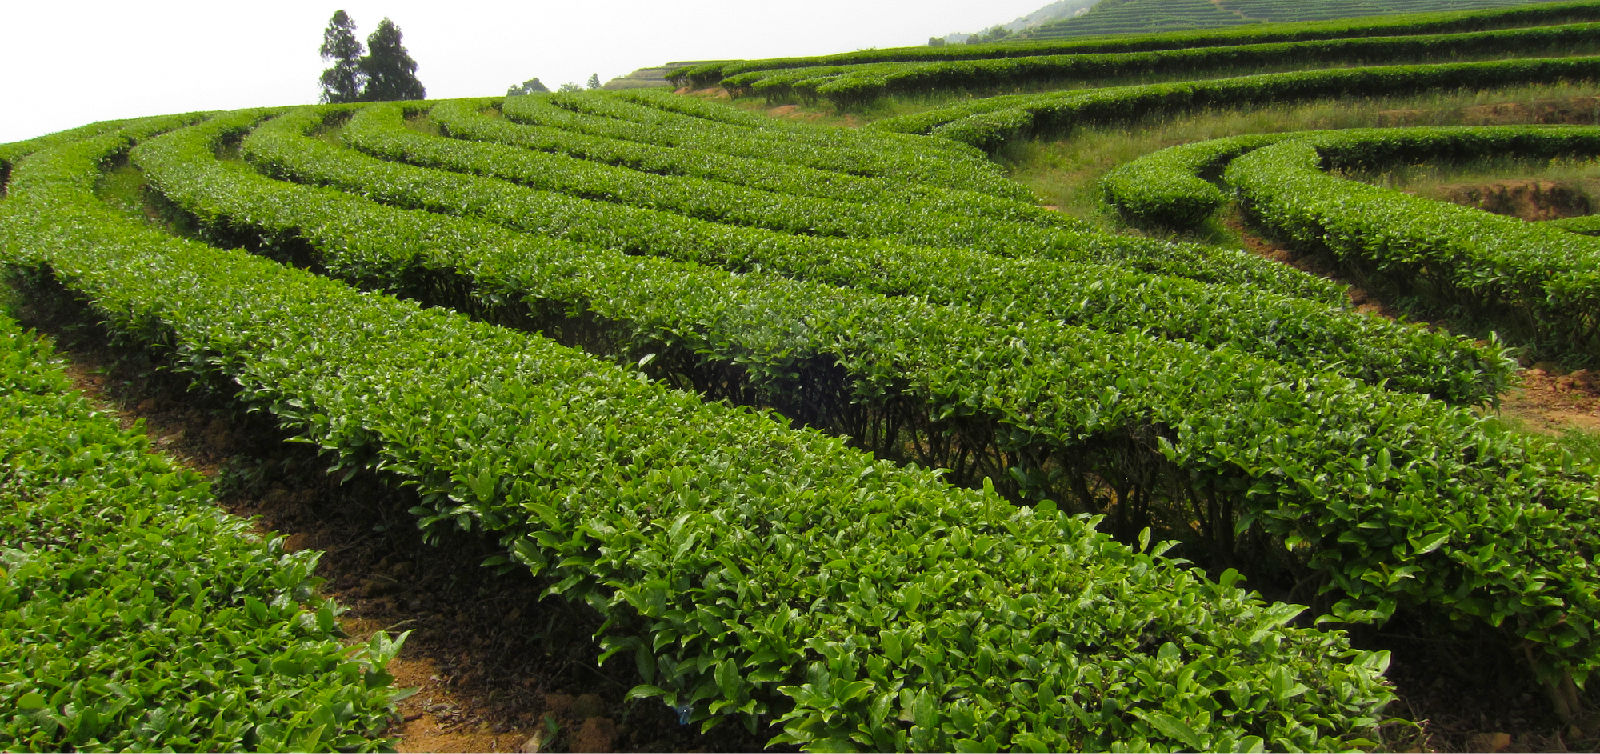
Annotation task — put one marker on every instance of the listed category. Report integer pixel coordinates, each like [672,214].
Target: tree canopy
[391,73]
[531,86]
[385,72]
[341,82]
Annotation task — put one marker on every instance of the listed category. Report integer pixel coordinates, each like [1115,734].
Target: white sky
[65,63]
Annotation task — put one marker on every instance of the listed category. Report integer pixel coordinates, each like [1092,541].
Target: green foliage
[991,123]
[390,72]
[531,86]
[857,85]
[1277,327]
[747,567]
[1173,417]
[856,154]
[1536,278]
[1168,189]
[1542,13]
[898,156]
[1144,16]
[343,81]
[465,119]
[134,614]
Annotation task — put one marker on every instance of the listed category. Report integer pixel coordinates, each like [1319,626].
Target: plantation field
[984,425]
[1141,16]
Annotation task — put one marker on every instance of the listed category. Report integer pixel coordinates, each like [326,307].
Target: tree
[391,73]
[531,86]
[594,81]
[343,81]
[991,34]
[570,87]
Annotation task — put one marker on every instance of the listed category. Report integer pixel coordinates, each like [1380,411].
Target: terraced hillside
[1145,16]
[843,436]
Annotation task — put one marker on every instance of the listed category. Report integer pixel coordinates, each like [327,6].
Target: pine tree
[594,81]
[342,82]
[391,73]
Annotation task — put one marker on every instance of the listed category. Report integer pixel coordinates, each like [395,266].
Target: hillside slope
[1143,16]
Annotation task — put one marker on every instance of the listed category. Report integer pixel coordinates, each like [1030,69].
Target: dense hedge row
[1144,16]
[839,151]
[1210,264]
[381,131]
[1537,279]
[1171,188]
[477,121]
[858,85]
[135,614]
[887,267]
[1003,119]
[747,567]
[1276,327]
[712,74]
[1415,475]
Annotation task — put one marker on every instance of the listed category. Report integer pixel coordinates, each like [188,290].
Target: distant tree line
[535,86]
[381,72]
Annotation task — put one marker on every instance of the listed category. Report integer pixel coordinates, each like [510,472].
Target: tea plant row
[1337,478]
[1277,327]
[746,567]
[854,86]
[1536,278]
[478,120]
[951,166]
[1139,16]
[990,123]
[136,614]
[1538,14]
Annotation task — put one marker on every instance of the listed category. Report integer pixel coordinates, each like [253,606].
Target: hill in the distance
[1056,11]
[649,78]
[1144,16]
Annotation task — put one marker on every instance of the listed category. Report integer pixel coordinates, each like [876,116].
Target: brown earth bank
[496,666]
[1573,111]
[1531,200]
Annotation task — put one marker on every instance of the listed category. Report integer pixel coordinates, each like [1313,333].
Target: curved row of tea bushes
[1169,189]
[136,615]
[1537,278]
[1588,225]
[874,145]
[12,151]
[1352,479]
[466,119]
[928,164]
[381,132]
[277,149]
[1277,327]
[1147,16]
[712,74]
[857,86]
[662,99]
[748,568]
[1200,262]
[1028,116]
